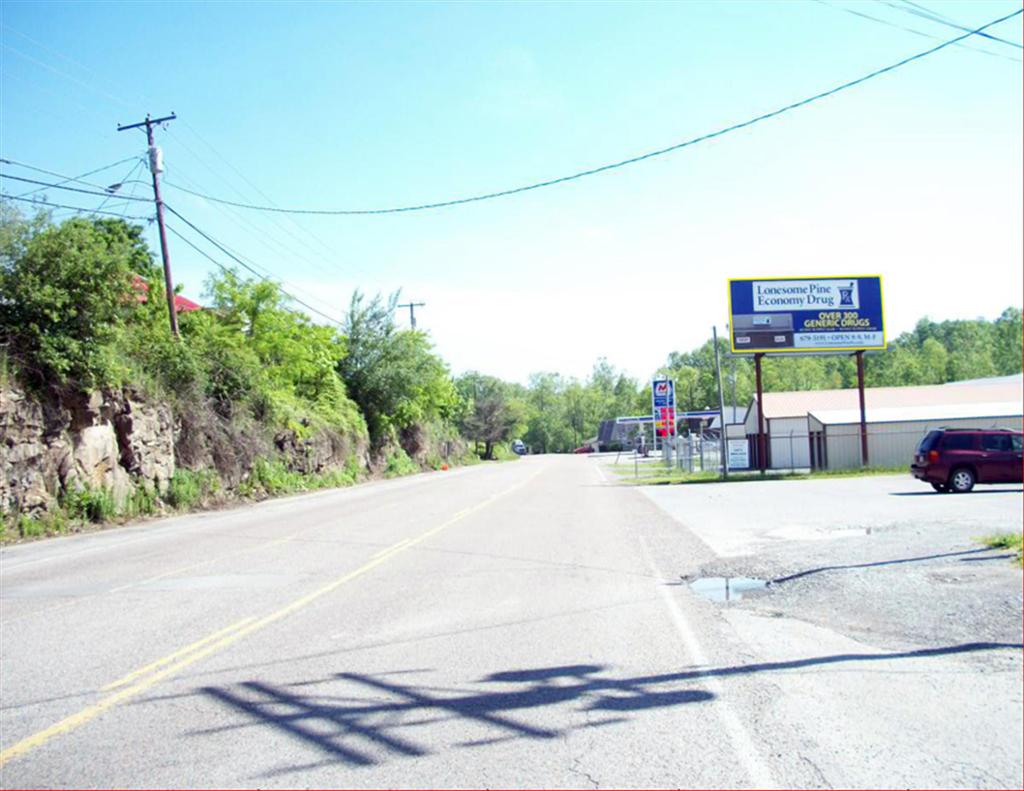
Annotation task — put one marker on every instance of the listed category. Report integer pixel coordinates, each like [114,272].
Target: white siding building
[821,428]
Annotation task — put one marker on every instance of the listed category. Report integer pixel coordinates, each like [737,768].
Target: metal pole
[172,309]
[762,461]
[721,407]
[863,415]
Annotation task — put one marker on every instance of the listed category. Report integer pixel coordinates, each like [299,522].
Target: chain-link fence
[832,448]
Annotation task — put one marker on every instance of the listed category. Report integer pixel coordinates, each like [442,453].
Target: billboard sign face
[663,407]
[826,314]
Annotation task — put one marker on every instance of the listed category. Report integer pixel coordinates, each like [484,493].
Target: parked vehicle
[519,447]
[954,459]
[584,449]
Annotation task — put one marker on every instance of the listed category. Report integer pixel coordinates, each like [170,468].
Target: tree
[493,412]
[392,374]
[67,294]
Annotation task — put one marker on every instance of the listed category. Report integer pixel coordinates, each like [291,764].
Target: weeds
[1010,541]
[189,488]
[89,504]
[398,463]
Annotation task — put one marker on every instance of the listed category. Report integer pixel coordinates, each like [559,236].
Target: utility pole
[412,311]
[156,166]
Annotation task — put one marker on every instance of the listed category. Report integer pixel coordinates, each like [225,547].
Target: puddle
[727,588]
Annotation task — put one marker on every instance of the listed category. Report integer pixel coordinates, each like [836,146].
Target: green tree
[494,413]
[67,295]
[392,374]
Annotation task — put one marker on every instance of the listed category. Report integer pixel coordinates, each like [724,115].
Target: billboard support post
[721,407]
[863,416]
[762,461]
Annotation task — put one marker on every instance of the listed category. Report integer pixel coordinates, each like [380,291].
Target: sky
[914,175]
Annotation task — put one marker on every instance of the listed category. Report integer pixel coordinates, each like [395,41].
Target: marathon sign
[827,314]
[663,407]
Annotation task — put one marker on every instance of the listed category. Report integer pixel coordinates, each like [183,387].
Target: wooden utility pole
[412,311]
[155,167]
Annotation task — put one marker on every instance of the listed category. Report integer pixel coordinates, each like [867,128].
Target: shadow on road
[919,559]
[363,720]
[933,493]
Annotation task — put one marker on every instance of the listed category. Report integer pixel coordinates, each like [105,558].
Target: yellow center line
[171,657]
[211,644]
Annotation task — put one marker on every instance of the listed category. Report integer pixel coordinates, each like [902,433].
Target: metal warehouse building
[820,429]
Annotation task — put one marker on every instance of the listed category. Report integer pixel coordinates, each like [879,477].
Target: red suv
[954,459]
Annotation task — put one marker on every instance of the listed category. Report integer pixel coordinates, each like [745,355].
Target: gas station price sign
[663,407]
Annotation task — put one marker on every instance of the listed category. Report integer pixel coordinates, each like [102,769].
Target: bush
[143,501]
[398,463]
[188,488]
[88,504]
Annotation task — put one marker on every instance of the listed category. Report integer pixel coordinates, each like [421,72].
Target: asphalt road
[515,625]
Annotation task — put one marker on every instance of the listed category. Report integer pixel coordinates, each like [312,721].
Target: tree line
[72,316]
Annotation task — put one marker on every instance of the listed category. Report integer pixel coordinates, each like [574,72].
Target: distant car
[519,447]
[584,449]
[954,459]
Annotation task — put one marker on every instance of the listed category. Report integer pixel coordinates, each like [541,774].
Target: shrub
[398,463]
[87,503]
[188,488]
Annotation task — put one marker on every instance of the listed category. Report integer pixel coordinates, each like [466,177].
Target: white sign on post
[739,454]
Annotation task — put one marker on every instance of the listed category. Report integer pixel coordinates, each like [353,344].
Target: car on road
[519,447]
[954,459]
[584,449]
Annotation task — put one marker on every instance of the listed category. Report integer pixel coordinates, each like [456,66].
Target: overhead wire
[622,163]
[260,229]
[120,184]
[134,182]
[940,19]
[79,209]
[914,31]
[68,179]
[63,187]
[268,273]
[238,260]
[305,230]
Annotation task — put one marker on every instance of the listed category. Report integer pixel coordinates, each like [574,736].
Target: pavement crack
[822,782]
[577,770]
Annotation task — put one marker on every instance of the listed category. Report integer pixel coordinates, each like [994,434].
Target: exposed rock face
[32,458]
[145,436]
[115,440]
[54,444]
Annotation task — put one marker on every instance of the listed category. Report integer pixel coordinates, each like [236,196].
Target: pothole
[728,588]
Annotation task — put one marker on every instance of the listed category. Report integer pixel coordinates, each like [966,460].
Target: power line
[80,209]
[68,179]
[264,271]
[931,16]
[105,193]
[122,182]
[238,260]
[914,31]
[224,268]
[622,163]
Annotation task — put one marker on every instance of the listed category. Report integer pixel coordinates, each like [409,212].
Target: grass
[1006,541]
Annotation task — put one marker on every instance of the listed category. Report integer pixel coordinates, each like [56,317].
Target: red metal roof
[181,304]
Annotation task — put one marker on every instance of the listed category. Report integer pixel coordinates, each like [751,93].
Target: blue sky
[914,175]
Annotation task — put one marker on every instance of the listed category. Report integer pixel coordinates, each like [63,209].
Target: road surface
[511,625]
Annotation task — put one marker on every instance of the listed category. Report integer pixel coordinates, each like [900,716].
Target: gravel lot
[881,559]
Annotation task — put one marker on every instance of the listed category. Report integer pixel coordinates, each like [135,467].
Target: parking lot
[880,568]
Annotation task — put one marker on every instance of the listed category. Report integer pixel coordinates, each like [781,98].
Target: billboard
[663,407]
[800,314]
